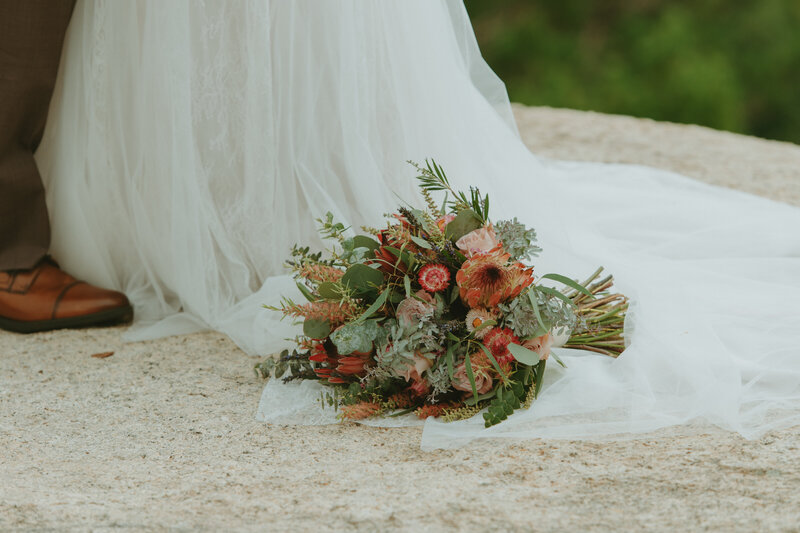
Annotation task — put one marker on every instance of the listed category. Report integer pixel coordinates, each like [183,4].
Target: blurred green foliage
[727,64]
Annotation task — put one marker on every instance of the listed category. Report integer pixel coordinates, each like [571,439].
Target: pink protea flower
[481,240]
[497,340]
[487,279]
[434,277]
[541,345]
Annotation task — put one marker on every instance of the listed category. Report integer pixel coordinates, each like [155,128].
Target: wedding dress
[191,143]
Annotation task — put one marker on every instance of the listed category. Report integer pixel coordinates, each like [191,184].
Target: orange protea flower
[486,279]
[321,273]
[360,411]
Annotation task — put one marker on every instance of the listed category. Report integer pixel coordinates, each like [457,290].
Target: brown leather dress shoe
[46,298]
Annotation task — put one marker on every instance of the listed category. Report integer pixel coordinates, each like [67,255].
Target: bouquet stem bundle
[602,317]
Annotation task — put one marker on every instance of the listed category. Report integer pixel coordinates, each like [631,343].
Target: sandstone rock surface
[162,435]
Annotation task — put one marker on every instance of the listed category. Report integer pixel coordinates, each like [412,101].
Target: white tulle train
[191,143]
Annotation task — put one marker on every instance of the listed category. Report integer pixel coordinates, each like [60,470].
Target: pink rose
[425,295]
[540,345]
[415,370]
[411,310]
[445,220]
[478,241]
[461,382]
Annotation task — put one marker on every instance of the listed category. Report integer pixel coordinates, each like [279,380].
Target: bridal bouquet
[437,313]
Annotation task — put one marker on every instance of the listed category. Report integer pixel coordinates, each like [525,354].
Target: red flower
[323,373]
[389,264]
[351,365]
[335,368]
[318,353]
[497,340]
[434,278]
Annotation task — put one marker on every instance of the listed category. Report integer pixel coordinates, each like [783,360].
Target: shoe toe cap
[83,299]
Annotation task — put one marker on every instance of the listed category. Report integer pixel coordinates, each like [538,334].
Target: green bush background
[727,64]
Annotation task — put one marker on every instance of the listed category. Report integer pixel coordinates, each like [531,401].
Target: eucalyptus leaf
[355,337]
[555,293]
[315,328]
[524,355]
[535,305]
[420,216]
[471,377]
[401,255]
[306,293]
[466,221]
[557,358]
[362,279]
[362,241]
[539,376]
[449,358]
[396,297]
[422,243]
[376,305]
[494,362]
[454,293]
[569,283]
[329,290]
[488,396]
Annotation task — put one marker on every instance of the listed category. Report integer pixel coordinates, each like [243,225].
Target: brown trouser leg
[31,36]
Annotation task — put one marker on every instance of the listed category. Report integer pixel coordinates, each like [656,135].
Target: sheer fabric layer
[192,143]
